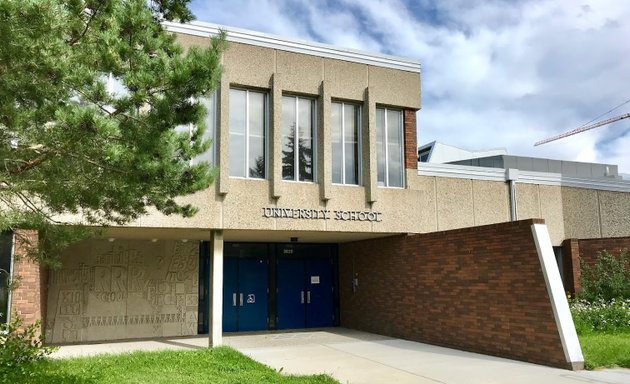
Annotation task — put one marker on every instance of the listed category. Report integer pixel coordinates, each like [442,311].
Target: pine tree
[70,145]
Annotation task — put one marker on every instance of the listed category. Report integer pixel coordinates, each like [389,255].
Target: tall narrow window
[389,147]
[298,138]
[346,150]
[247,133]
[211,123]
[6,242]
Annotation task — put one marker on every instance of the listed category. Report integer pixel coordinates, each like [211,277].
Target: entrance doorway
[245,289]
[270,286]
[304,293]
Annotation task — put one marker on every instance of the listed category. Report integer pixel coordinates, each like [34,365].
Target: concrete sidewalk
[358,357]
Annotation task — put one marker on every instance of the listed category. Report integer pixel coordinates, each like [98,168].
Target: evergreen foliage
[70,145]
[607,279]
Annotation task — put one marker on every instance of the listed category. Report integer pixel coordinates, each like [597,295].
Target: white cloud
[494,73]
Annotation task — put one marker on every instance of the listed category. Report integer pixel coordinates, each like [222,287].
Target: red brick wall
[411,146]
[28,300]
[587,249]
[479,289]
[571,265]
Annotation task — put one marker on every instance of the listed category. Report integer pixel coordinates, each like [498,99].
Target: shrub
[607,279]
[20,346]
[601,316]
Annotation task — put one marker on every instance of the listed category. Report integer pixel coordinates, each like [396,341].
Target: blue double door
[305,293]
[245,294]
[274,286]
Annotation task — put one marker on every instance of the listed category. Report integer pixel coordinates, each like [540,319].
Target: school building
[322,216]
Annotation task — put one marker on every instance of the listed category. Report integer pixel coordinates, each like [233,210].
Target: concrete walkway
[358,357]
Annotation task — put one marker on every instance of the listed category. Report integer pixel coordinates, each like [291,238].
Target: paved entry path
[357,357]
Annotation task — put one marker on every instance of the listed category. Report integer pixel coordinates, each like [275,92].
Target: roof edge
[237,35]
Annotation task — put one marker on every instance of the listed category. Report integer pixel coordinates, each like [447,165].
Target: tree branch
[93,13]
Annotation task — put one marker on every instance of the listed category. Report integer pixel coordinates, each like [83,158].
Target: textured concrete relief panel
[249,65]
[300,73]
[615,213]
[454,203]
[551,207]
[123,289]
[395,87]
[491,202]
[347,80]
[527,201]
[580,208]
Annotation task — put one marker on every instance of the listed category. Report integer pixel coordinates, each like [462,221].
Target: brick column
[571,265]
[28,299]
[411,145]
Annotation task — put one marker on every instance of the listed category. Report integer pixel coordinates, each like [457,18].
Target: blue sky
[495,74]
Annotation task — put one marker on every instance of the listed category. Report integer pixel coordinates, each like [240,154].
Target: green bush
[601,316]
[20,346]
[607,279]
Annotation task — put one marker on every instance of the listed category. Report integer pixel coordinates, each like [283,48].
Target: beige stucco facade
[144,283]
[425,204]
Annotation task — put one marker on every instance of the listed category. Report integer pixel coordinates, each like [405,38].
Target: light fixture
[184,240]
[154,240]
[111,239]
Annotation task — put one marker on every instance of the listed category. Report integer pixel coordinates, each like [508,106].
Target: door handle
[301,297]
[241,299]
[234,299]
[308,297]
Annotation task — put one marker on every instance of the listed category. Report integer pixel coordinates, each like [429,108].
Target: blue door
[245,294]
[253,295]
[319,293]
[230,295]
[304,293]
[290,293]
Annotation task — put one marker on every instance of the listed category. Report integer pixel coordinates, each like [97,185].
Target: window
[389,147]
[248,125]
[210,122]
[6,244]
[346,141]
[298,138]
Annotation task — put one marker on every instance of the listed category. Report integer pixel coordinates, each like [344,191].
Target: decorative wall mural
[123,289]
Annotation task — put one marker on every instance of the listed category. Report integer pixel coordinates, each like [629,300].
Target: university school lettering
[320,214]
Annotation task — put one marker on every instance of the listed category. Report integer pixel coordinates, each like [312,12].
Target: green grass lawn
[217,366]
[606,350]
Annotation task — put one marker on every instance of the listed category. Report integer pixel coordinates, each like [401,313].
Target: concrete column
[223,135]
[216,286]
[324,154]
[275,137]
[370,175]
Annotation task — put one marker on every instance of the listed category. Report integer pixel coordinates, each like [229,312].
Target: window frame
[386,183]
[314,129]
[359,125]
[265,94]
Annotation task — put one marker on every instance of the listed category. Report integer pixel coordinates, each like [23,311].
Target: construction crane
[584,128]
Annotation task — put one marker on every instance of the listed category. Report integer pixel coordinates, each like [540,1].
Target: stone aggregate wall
[123,289]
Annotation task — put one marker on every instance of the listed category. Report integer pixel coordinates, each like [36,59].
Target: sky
[494,73]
